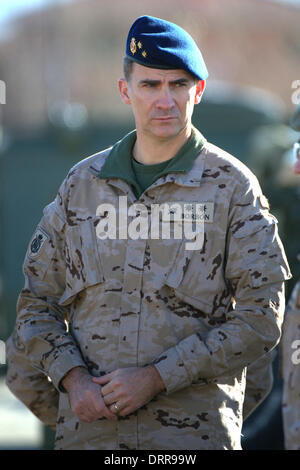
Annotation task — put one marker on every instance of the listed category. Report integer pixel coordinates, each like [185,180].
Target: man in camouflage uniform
[146,340]
[290,346]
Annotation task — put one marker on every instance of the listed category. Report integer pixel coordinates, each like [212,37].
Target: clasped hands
[118,393]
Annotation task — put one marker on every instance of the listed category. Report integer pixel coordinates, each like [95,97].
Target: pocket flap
[83,264]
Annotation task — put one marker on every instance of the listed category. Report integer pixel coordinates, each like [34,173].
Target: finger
[105,385]
[107,389]
[126,411]
[104,409]
[110,398]
[95,406]
[99,405]
[103,379]
[100,410]
[114,410]
[110,415]
[117,407]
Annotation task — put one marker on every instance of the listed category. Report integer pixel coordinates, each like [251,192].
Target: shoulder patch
[37,242]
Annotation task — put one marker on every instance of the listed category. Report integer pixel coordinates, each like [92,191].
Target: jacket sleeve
[255,269]
[29,385]
[41,320]
[258,384]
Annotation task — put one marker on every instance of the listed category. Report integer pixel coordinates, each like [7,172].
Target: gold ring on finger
[116,407]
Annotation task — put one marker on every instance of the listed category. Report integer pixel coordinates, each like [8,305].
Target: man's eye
[149,85]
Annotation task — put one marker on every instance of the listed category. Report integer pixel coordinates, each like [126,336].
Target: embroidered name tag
[37,242]
[192,211]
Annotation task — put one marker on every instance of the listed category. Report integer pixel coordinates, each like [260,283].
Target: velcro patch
[37,242]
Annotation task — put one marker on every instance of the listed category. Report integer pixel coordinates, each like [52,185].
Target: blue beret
[157,43]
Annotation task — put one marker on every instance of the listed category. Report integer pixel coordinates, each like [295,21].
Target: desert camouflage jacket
[201,316]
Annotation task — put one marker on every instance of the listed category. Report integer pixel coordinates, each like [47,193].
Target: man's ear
[200,87]
[123,90]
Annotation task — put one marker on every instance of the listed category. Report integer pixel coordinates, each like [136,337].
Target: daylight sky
[10,8]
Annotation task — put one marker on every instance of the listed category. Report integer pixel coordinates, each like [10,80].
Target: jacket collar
[185,169]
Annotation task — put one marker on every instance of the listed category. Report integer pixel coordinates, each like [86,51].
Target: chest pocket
[197,275]
[83,263]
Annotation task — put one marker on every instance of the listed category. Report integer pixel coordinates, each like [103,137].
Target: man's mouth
[164,118]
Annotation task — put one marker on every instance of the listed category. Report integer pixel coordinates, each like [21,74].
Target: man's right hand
[85,396]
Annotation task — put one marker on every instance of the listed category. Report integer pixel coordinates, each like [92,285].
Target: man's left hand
[126,390]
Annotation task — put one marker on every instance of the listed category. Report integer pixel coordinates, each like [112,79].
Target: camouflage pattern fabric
[39,395]
[30,386]
[259,383]
[201,316]
[290,363]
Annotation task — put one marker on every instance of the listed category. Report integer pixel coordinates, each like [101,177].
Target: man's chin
[166,130]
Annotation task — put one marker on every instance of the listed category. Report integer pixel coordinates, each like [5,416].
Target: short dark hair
[127,67]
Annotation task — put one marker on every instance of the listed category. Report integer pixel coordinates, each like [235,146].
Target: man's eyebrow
[149,81]
[179,80]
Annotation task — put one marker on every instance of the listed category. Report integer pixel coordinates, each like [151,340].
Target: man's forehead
[140,72]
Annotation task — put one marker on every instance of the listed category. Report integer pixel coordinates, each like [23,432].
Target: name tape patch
[189,211]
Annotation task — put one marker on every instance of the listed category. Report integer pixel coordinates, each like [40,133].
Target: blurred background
[59,66]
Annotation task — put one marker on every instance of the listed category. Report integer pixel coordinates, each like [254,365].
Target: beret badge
[136,47]
[133,46]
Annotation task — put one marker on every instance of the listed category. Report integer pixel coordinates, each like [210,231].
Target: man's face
[162,100]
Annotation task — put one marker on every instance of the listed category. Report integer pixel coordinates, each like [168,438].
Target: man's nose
[165,99]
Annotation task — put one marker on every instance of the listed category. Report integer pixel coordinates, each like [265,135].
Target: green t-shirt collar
[119,161]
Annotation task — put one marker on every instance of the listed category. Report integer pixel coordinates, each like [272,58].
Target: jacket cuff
[62,365]
[172,370]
